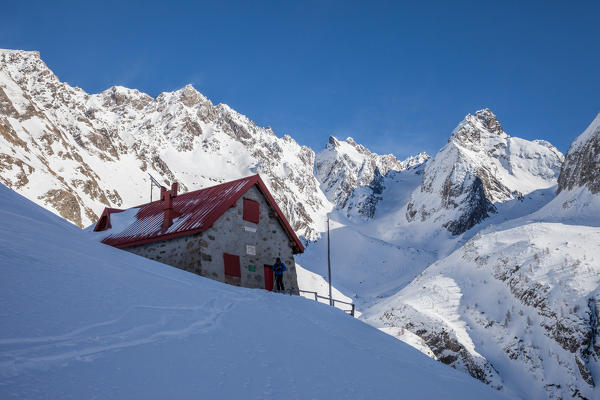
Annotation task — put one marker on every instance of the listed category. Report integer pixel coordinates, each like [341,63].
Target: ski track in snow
[139,325]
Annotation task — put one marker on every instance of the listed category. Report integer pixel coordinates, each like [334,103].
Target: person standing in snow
[278,269]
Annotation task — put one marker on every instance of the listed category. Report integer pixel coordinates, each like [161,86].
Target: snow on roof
[196,211]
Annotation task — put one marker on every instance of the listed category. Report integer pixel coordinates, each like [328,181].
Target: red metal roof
[196,212]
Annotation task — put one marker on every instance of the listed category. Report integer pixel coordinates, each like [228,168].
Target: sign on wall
[250,229]
[250,250]
[252,268]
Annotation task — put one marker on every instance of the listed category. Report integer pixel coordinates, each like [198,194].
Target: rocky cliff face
[74,152]
[480,166]
[582,162]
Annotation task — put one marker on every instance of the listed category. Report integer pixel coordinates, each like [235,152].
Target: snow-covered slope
[75,153]
[518,305]
[516,308]
[481,165]
[79,319]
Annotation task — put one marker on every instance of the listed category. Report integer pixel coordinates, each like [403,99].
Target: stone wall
[202,253]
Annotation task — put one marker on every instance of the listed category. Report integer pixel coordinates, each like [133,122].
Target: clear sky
[396,77]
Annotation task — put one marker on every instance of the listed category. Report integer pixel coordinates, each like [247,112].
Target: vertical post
[150,190]
[316,297]
[352,312]
[329,262]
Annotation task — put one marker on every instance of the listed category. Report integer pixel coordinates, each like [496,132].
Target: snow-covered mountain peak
[489,120]
[119,97]
[479,166]
[189,96]
[475,130]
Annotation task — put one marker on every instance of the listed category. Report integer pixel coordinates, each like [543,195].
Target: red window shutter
[251,211]
[232,265]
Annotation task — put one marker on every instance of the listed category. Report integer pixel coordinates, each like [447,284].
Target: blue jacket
[279,268]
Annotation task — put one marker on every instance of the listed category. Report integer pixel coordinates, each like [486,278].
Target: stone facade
[202,253]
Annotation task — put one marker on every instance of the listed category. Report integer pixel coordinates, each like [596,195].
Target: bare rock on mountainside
[75,153]
[479,166]
[582,162]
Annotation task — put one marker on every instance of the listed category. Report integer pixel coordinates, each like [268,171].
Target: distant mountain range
[483,256]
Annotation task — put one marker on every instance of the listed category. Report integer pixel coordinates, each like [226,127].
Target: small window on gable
[251,211]
[102,225]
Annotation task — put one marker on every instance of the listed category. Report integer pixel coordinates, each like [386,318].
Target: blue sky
[396,77]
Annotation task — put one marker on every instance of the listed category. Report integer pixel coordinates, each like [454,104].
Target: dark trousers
[279,282]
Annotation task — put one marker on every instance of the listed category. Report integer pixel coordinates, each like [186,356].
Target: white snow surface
[83,320]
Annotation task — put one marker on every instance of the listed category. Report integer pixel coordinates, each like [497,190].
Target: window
[232,265]
[251,211]
[102,225]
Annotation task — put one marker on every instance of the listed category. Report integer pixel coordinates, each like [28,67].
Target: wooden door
[269,277]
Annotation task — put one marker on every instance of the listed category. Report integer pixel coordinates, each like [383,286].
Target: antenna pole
[329,262]
[153,182]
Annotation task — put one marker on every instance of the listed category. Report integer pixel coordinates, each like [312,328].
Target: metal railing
[331,300]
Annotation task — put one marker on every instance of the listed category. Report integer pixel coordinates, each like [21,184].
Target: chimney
[167,210]
[167,197]
[163,190]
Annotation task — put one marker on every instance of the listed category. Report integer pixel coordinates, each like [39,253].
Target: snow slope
[363,267]
[79,319]
[514,308]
